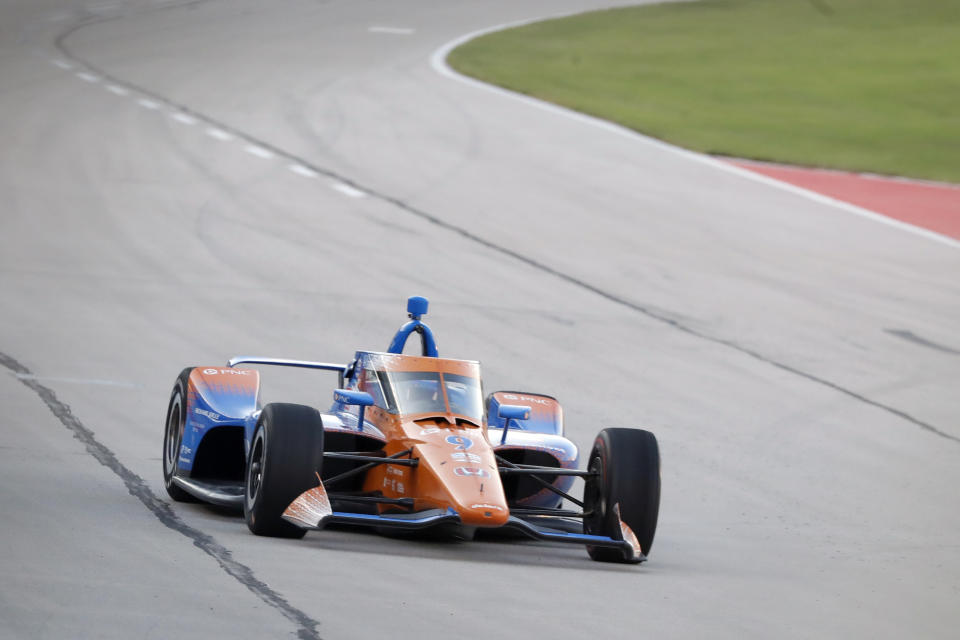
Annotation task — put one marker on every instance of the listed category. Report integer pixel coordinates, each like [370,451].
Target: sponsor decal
[429,431]
[207,414]
[184,449]
[394,471]
[465,457]
[184,460]
[483,505]
[510,396]
[463,442]
[226,372]
[393,484]
[471,472]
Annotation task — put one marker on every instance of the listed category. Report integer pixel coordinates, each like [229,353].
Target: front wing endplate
[310,508]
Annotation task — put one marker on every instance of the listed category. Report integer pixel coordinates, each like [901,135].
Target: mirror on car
[351,397]
[511,412]
[360,399]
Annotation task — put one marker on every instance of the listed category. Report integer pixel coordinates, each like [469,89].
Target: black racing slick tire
[286,454]
[173,436]
[626,464]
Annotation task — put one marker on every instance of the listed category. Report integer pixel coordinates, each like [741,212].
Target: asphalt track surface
[184,183]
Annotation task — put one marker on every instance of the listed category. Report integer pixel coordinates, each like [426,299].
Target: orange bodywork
[401,362]
[456,465]
[456,468]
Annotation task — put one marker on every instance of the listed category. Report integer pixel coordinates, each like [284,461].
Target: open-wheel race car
[408,444]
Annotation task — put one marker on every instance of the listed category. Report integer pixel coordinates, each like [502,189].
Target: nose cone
[474,491]
[485,513]
[458,469]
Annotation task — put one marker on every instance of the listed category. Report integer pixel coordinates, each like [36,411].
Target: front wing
[312,510]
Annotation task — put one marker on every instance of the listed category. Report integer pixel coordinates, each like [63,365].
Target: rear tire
[173,436]
[627,462]
[286,455]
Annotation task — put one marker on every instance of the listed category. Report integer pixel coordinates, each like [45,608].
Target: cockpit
[400,385]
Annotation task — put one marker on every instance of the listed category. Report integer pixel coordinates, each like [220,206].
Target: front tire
[173,436]
[627,481]
[285,455]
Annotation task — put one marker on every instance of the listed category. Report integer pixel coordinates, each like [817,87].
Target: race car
[409,444]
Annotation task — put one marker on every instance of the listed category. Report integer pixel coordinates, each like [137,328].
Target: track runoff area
[841,84]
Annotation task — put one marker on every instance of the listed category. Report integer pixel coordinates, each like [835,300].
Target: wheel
[627,467]
[286,455]
[173,436]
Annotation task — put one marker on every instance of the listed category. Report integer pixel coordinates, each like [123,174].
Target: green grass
[867,85]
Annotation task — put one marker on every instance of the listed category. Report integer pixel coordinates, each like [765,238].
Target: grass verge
[865,85]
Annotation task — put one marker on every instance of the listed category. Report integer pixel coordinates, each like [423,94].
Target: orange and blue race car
[409,444]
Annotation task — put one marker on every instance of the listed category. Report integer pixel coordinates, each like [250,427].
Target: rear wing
[284,362]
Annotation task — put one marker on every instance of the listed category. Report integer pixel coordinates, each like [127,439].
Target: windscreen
[464,396]
[415,392]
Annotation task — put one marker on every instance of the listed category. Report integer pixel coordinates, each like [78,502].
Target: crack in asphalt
[138,488]
[647,311]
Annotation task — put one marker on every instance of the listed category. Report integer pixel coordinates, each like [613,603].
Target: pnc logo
[510,396]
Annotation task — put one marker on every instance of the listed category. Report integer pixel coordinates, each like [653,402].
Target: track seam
[138,488]
[463,232]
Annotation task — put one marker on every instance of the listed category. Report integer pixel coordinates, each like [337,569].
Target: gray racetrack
[799,364]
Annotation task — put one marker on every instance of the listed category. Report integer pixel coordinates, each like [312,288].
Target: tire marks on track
[138,488]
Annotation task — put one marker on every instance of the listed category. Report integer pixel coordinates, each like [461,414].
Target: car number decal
[474,472]
[463,442]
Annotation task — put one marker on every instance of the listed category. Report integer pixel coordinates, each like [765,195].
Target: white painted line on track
[183,118]
[347,190]
[260,152]
[148,104]
[866,175]
[219,134]
[438,60]
[118,90]
[301,170]
[108,383]
[87,77]
[66,66]
[397,31]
